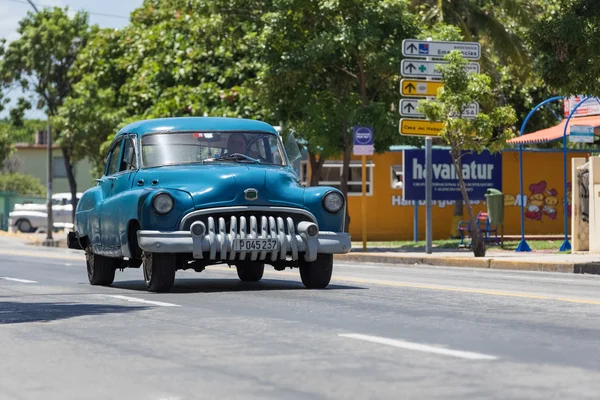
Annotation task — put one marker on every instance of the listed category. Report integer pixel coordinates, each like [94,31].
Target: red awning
[556,132]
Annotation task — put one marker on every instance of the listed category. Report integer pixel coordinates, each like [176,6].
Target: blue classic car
[185,193]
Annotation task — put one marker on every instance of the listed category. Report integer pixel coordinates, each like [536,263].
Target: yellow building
[391,218]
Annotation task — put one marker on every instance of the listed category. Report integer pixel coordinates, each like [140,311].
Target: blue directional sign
[363,141]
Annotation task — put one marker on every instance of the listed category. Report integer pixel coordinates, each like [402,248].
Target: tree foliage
[24,185]
[486,131]
[331,65]
[181,58]
[40,61]
[565,43]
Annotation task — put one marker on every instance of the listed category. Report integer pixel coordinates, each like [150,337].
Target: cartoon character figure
[509,200]
[550,204]
[536,201]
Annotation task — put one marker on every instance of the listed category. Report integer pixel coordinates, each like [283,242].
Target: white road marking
[420,347]
[6,278]
[136,300]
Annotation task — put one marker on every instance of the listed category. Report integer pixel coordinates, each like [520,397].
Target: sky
[105,13]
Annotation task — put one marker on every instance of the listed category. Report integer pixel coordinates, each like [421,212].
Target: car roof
[196,124]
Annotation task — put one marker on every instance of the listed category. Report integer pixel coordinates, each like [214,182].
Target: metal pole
[428,194]
[49,221]
[523,246]
[364,202]
[416,222]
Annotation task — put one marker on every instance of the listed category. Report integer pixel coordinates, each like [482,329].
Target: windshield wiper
[234,157]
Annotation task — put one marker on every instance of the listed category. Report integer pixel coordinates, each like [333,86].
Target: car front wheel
[101,270]
[317,274]
[251,272]
[159,271]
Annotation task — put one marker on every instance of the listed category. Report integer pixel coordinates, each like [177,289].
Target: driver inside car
[236,143]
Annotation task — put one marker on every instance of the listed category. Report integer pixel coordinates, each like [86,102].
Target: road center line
[419,347]
[6,278]
[136,300]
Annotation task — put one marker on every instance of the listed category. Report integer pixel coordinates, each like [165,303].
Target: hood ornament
[251,194]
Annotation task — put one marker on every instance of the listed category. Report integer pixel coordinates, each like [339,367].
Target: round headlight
[162,203]
[333,202]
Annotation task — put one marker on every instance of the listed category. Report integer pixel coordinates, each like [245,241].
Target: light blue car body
[110,215]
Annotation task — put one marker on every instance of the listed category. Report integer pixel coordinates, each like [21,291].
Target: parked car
[33,217]
[185,193]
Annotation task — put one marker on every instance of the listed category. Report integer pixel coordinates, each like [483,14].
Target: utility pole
[50,220]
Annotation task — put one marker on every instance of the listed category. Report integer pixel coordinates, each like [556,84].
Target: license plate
[255,244]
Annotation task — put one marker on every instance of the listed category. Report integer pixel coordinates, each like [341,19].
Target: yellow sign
[420,127]
[417,88]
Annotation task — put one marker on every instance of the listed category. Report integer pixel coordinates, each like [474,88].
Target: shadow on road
[227,285]
[17,313]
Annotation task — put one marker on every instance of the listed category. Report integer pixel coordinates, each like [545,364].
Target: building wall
[32,160]
[391,218]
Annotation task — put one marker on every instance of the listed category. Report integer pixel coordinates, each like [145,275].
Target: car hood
[223,184]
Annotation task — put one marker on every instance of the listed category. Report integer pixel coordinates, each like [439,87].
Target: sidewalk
[581,263]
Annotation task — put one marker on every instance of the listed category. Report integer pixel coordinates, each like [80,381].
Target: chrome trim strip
[234,209]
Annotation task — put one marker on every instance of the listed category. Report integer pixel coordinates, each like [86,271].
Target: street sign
[363,141]
[422,68]
[438,49]
[417,88]
[581,134]
[420,127]
[408,107]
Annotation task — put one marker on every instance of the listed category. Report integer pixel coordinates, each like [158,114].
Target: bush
[23,185]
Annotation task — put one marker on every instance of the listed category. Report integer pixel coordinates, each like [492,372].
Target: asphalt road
[378,332]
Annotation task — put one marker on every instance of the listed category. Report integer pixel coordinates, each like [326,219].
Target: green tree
[331,65]
[181,58]
[24,185]
[565,42]
[485,132]
[40,61]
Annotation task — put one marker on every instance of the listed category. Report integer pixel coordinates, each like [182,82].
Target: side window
[115,158]
[129,160]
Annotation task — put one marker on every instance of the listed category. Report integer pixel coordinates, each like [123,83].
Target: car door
[121,180]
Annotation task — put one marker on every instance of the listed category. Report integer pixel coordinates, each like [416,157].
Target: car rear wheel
[250,272]
[100,269]
[24,226]
[317,274]
[159,271]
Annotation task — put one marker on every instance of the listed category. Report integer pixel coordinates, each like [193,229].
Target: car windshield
[163,149]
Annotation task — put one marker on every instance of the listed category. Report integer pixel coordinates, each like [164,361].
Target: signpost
[422,68]
[408,107]
[438,49]
[420,127]
[419,88]
[429,69]
[581,134]
[363,146]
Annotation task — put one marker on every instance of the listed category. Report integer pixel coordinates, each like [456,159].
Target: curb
[487,263]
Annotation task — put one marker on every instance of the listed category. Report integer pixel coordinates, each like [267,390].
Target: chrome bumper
[219,244]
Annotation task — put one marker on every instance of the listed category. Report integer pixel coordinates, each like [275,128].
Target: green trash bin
[495,206]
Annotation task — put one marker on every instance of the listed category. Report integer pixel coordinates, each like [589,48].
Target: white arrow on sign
[438,49]
[421,68]
[408,107]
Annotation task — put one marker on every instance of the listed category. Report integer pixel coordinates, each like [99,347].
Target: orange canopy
[556,132]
